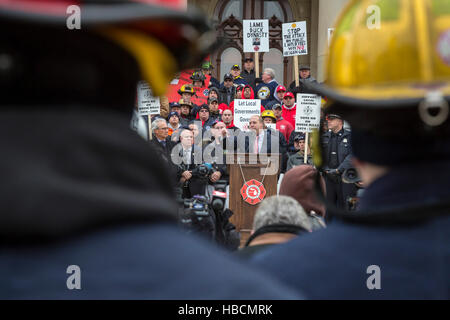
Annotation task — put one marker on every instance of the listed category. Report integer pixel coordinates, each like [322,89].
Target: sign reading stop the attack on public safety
[295,41]
[256,35]
[147,103]
[307,117]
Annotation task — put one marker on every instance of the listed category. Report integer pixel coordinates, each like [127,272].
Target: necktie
[256,147]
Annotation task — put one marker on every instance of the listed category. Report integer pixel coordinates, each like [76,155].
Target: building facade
[320,15]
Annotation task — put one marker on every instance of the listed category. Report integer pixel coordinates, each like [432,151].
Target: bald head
[186,138]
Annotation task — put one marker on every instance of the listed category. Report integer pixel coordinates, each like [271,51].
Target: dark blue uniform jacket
[413,254]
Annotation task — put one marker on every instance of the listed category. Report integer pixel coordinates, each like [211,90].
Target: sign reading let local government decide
[295,41]
[256,35]
[147,103]
[307,117]
[244,109]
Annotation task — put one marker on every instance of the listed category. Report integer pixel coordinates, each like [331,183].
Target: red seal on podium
[253,192]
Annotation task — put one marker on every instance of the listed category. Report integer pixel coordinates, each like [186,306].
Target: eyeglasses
[164,128]
[228,80]
[203,110]
[288,98]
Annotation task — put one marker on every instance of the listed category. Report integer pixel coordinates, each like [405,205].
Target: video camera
[197,217]
[219,195]
[350,175]
[226,233]
[203,171]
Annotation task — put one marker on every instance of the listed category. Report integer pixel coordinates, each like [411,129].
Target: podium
[253,177]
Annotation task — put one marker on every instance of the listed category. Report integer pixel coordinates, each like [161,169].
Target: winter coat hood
[276,96]
[252,96]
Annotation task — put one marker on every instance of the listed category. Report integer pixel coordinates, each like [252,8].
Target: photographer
[215,151]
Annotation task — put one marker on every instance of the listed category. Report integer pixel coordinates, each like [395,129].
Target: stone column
[328,12]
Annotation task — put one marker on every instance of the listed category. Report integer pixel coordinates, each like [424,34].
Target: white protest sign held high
[256,35]
[147,103]
[307,117]
[244,109]
[295,42]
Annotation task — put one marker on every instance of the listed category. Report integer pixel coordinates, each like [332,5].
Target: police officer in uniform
[397,245]
[337,150]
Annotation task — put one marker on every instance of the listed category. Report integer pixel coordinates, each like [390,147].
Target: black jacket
[227,95]
[301,88]
[161,150]
[249,77]
[344,149]
[217,152]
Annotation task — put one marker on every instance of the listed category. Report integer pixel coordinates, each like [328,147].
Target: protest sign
[256,35]
[307,116]
[244,109]
[295,41]
[147,103]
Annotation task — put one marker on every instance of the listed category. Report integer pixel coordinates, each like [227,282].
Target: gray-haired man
[266,90]
[161,141]
[278,219]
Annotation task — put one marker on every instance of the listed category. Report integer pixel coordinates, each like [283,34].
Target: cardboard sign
[307,117]
[244,109]
[256,35]
[147,103]
[295,41]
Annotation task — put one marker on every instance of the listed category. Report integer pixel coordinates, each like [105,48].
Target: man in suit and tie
[190,156]
[161,141]
[264,140]
[160,131]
